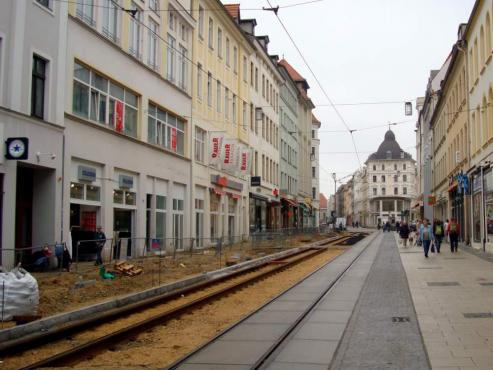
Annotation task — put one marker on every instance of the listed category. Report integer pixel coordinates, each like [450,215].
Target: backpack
[453,228]
[438,230]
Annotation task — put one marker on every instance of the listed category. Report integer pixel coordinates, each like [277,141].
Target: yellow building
[450,142]
[221,112]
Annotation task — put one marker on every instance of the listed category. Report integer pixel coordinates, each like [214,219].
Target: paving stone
[287,306]
[246,331]
[323,316]
[336,305]
[308,352]
[295,366]
[319,331]
[274,317]
[233,352]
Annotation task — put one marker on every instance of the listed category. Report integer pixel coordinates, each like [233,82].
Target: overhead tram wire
[189,10]
[317,80]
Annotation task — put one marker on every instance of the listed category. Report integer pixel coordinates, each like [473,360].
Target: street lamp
[335,196]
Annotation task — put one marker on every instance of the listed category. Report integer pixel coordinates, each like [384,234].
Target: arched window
[389,154]
[484,123]
[476,59]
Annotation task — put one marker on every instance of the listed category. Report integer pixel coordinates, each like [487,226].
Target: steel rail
[182,360]
[71,356]
[40,338]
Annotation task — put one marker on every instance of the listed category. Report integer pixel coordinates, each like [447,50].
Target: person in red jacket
[453,230]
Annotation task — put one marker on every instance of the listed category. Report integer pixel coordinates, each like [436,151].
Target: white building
[391,182]
[32,50]
[360,197]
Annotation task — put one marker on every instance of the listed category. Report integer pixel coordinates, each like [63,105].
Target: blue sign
[126,182]
[87,173]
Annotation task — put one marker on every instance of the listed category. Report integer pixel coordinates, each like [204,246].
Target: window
[314,172]
[199,81]
[219,43]
[396,191]
[85,192]
[374,191]
[395,167]
[227,51]
[103,101]
[201,21]
[251,74]
[171,20]
[374,167]
[134,41]
[234,108]
[38,88]
[256,79]
[153,44]
[211,33]
[404,191]
[226,102]
[263,86]
[383,191]
[154,5]
[383,178]
[235,60]
[182,68]
[45,3]
[245,69]
[165,129]
[244,118]
[218,96]
[171,58]
[389,154]
[209,89]
[383,167]
[85,11]
[199,144]
[404,178]
[313,134]
[110,20]
[374,179]
[199,222]
[404,166]
[252,117]
[314,193]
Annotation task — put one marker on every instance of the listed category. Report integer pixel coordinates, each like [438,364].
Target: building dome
[389,149]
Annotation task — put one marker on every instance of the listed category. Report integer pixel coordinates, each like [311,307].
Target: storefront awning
[233,195]
[217,191]
[290,202]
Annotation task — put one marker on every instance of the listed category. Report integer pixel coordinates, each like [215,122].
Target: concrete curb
[48,323]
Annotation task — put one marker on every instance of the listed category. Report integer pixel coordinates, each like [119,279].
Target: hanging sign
[245,160]
[215,146]
[229,154]
[119,116]
[432,200]
[173,139]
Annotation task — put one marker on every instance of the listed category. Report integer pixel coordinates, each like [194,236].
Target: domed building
[391,182]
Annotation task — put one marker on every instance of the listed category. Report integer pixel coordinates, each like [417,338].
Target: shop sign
[224,181]
[275,192]
[432,200]
[17,148]
[255,181]
[216,141]
[86,173]
[119,116]
[125,182]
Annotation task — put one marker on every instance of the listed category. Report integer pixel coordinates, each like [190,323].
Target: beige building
[391,182]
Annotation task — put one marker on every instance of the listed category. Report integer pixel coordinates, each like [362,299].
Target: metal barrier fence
[48,257]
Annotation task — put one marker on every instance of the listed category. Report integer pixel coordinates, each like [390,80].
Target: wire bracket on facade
[272,9]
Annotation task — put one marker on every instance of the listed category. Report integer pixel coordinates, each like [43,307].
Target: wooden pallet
[127,269]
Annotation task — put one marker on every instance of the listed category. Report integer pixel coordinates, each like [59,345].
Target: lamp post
[335,197]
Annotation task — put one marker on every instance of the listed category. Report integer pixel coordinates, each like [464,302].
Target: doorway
[123,226]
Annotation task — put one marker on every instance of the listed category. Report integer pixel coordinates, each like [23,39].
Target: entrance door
[24,207]
[231,228]
[123,224]
[178,230]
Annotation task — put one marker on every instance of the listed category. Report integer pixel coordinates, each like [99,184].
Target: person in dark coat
[101,240]
[404,233]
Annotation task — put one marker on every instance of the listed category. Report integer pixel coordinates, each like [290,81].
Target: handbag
[432,246]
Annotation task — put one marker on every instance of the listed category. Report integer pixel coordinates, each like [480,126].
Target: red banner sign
[173,139]
[119,116]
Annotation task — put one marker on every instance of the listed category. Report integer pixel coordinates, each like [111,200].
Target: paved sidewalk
[453,298]
[383,332]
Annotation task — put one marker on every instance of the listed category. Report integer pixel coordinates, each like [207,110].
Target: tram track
[265,359]
[75,353]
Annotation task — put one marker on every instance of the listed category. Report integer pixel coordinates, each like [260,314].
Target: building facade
[315,158]
[360,197]
[391,179]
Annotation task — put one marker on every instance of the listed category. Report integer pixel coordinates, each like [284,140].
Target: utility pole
[335,197]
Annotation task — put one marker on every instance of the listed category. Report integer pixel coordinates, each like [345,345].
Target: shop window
[118,196]
[103,101]
[76,191]
[93,193]
[130,198]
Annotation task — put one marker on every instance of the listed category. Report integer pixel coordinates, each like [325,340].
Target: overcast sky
[362,51]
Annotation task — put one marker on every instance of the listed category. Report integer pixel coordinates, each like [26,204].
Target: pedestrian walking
[418,233]
[100,242]
[426,236]
[454,233]
[445,228]
[404,233]
[438,231]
